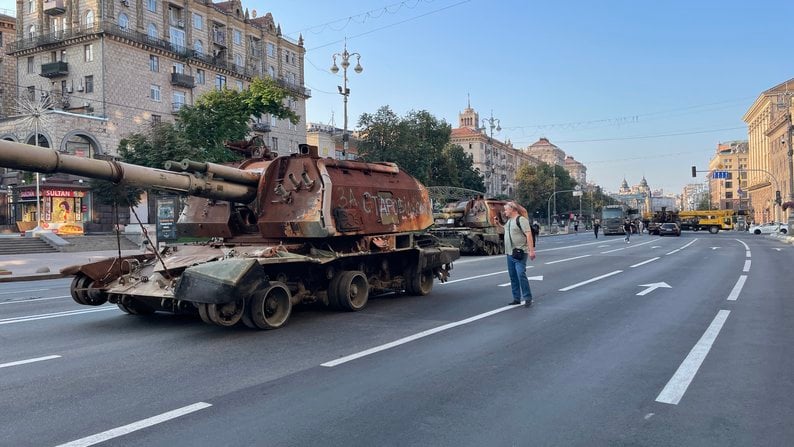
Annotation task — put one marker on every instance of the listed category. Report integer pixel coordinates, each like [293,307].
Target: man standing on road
[596,226]
[627,230]
[518,244]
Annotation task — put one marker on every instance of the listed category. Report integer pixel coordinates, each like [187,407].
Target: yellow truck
[708,220]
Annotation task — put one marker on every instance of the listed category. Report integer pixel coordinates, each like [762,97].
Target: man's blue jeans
[518,278]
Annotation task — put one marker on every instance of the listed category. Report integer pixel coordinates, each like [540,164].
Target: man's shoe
[528,303]
[512,303]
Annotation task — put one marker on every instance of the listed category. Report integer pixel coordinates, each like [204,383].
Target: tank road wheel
[204,313]
[133,307]
[227,314]
[351,291]
[83,292]
[271,306]
[418,283]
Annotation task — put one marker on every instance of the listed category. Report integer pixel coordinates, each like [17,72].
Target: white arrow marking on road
[778,249]
[656,246]
[714,248]
[652,287]
[531,278]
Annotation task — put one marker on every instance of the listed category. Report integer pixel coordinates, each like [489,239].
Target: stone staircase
[17,245]
[24,245]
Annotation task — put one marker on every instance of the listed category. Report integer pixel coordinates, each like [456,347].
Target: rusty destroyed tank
[476,226]
[285,231]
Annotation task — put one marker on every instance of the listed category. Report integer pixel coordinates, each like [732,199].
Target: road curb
[35,277]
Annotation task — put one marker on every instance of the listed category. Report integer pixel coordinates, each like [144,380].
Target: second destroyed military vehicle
[476,226]
[284,231]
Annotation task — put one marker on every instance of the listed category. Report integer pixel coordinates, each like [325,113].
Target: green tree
[419,143]
[225,115]
[535,184]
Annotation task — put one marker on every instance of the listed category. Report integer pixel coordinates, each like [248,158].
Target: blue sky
[630,88]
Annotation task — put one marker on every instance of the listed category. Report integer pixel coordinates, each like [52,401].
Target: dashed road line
[53,315]
[135,426]
[565,289]
[678,384]
[645,262]
[565,260]
[747,265]
[737,288]
[25,362]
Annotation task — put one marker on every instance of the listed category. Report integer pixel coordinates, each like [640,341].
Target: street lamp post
[343,90]
[492,123]
[548,206]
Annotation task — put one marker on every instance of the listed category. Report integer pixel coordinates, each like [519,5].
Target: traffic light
[694,172]
[778,199]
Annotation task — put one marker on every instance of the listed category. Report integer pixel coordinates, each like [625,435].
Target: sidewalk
[33,267]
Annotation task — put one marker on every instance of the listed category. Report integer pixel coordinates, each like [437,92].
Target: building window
[200,78]
[124,21]
[198,47]
[179,68]
[238,60]
[157,119]
[89,84]
[31,65]
[220,82]
[151,5]
[154,63]
[271,71]
[89,52]
[89,19]
[237,37]
[154,92]
[31,6]
[152,32]
[32,31]
[729,185]
[271,49]
[179,100]
[239,85]
[274,145]
[198,21]
[32,93]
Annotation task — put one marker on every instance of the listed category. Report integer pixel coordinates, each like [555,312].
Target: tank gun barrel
[38,159]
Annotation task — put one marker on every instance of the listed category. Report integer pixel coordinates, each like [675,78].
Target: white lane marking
[674,251]
[737,288]
[531,278]
[25,362]
[135,426]
[24,291]
[480,276]
[565,260]
[565,289]
[416,336]
[714,248]
[747,265]
[645,262]
[678,384]
[777,249]
[652,287]
[748,254]
[746,247]
[35,299]
[53,315]
[630,246]
[487,258]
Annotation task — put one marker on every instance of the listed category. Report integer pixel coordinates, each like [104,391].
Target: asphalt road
[608,355]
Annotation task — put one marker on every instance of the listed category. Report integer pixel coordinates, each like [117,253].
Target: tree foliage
[419,143]
[225,115]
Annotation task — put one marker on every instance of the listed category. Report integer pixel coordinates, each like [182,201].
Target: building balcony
[261,127]
[54,69]
[182,80]
[254,52]
[54,7]
[219,38]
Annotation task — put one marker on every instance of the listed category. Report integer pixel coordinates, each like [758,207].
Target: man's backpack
[535,231]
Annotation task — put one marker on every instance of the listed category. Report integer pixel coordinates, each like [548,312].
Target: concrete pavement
[31,267]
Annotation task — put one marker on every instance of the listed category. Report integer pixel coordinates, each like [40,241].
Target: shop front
[64,210]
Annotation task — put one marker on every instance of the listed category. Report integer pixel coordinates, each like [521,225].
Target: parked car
[769,228]
[669,228]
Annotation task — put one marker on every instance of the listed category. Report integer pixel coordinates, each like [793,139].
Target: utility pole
[343,90]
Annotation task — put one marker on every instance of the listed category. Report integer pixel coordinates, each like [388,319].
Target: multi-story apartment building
[576,169]
[768,128]
[731,192]
[328,139]
[7,63]
[692,195]
[114,67]
[497,161]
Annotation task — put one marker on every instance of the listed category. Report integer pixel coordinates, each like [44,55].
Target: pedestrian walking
[575,226]
[519,244]
[596,226]
[627,230]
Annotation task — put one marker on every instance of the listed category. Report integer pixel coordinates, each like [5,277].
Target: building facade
[729,192]
[496,160]
[107,69]
[768,122]
[576,169]
[7,64]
